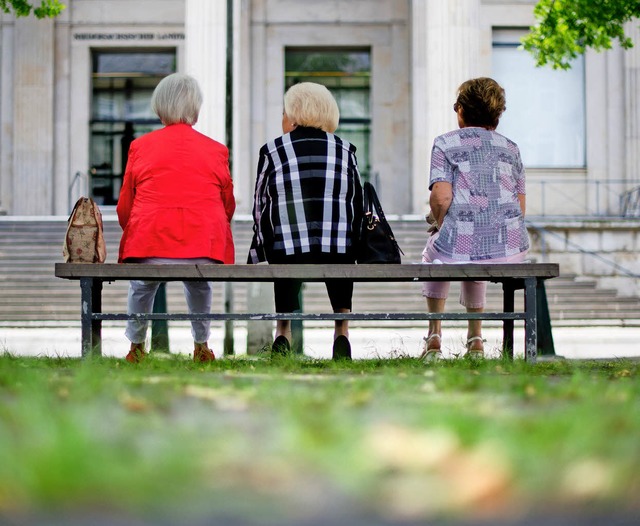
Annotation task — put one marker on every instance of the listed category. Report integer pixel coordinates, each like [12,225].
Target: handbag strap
[371,201]
[366,193]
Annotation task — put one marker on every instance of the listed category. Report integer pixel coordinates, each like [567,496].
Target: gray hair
[177,98]
[313,105]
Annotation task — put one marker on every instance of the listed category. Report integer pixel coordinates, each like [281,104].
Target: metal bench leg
[91,301]
[86,309]
[545,336]
[508,305]
[530,322]
[96,325]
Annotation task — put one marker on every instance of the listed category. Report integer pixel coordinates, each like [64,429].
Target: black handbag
[377,242]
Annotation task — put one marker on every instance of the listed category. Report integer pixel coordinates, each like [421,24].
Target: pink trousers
[472,293]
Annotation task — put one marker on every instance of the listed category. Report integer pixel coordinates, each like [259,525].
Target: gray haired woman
[175,206]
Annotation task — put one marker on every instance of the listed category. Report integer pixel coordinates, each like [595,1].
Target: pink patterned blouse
[486,172]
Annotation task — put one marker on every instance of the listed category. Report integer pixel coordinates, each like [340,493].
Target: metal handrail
[593,192]
[544,232]
[630,203]
[78,176]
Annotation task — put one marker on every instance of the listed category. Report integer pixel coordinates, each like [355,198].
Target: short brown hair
[482,101]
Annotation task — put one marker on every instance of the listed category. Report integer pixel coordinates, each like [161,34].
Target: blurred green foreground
[299,439]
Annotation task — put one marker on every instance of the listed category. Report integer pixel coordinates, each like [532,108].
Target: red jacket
[177,198]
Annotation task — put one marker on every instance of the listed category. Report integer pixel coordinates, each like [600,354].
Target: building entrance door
[122,85]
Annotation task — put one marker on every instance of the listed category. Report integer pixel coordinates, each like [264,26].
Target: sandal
[431,348]
[475,353]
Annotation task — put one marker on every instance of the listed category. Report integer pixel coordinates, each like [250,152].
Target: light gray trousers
[142,294]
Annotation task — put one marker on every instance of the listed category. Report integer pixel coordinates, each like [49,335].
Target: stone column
[7,44]
[63,136]
[206,60]
[632,103]
[446,52]
[33,117]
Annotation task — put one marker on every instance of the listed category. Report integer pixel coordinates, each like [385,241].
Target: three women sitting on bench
[177,201]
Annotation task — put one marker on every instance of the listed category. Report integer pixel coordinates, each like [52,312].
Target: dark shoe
[341,348]
[136,355]
[203,354]
[280,346]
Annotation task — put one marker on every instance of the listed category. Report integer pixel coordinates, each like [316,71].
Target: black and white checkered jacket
[308,196]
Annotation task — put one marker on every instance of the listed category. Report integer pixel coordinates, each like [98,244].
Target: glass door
[122,85]
[347,74]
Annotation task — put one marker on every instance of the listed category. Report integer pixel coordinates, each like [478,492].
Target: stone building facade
[74,91]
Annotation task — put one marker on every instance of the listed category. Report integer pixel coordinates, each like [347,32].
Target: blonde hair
[482,101]
[310,104]
[177,98]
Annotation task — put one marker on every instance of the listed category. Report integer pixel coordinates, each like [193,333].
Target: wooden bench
[525,276]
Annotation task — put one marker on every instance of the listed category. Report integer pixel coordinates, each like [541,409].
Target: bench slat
[372,316]
[400,272]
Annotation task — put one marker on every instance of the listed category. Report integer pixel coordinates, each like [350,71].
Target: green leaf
[567,28]
[46,9]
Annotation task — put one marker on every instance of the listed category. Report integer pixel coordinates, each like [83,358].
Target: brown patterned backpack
[84,241]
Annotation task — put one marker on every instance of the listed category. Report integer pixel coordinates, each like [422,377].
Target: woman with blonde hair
[308,204]
[175,206]
[477,203]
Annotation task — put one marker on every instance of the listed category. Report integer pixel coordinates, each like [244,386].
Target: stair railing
[542,231]
[583,198]
[77,178]
[630,203]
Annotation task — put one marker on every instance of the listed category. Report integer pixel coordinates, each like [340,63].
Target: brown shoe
[202,354]
[136,354]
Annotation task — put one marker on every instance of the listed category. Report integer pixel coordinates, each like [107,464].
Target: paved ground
[336,519]
[590,342]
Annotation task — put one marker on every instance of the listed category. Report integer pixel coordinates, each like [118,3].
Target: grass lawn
[294,439]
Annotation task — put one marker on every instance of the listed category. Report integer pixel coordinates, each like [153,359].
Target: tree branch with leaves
[46,9]
[566,28]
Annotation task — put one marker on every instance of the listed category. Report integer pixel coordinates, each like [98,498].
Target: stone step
[66,306]
[30,292]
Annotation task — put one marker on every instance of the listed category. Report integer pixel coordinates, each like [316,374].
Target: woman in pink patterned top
[477,200]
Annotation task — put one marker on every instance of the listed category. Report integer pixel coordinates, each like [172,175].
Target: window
[545,108]
[347,73]
[123,82]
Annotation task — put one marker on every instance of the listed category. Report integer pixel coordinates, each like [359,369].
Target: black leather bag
[377,242]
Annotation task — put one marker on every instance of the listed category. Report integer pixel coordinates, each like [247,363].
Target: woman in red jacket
[175,206]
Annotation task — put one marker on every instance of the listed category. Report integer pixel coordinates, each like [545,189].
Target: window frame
[358,124]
